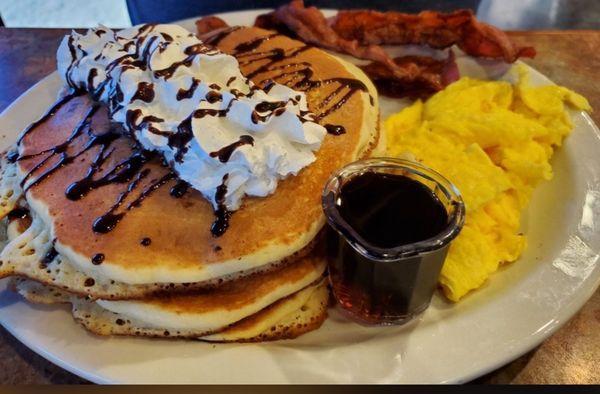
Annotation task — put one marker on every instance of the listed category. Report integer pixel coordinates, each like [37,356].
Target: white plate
[519,307]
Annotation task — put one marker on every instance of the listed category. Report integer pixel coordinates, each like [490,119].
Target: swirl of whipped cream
[192,104]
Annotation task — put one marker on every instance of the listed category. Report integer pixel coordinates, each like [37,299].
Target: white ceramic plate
[520,306]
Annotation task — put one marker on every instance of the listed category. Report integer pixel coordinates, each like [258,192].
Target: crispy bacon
[359,33]
[270,22]
[427,72]
[310,25]
[434,29]
[207,24]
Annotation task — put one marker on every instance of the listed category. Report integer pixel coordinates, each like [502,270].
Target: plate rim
[528,343]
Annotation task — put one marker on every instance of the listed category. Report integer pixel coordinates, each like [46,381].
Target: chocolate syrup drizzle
[61,151]
[224,154]
[129,170]
[230,81]
[188,93]
[253,44]
[111,218]
[217,38]
[213,97]
[108,221]
[166,36]
[179,189]
[120,173]
[90,79]
[17,213]
[50,255]
[12,156]
[221,224]
[146,28]
[297,75]
[50,113]
[271,108]
[335,129]
[145,92]
[74,61]
[179,140]
[192,52]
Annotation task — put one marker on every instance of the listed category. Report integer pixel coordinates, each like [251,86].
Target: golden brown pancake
[287,318]
[182,248]
[28,253]
[259,301]
[10,192]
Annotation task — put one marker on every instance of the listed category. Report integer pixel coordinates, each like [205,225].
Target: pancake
[28,252]
[195,311]
[211,310]
[39,293]
[262,233]
[273,301]
[287,318]
[10,191]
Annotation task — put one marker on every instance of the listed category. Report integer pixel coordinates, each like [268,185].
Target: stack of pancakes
[161,272]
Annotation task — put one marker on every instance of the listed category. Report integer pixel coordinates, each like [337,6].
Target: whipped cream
[191,103]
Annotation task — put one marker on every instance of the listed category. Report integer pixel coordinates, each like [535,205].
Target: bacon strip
[310,25]
[206,24]
[443,72]
[270,22]
[430,28]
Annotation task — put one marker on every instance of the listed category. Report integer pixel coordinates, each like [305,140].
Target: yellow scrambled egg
[493,140]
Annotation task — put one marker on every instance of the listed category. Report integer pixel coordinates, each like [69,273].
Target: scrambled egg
[493,140]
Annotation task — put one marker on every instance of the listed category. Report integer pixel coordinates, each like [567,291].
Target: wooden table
[570,58]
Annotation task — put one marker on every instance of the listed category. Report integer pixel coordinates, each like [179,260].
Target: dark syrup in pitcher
[385,211]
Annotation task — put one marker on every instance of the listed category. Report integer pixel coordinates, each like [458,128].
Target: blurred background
[506,14]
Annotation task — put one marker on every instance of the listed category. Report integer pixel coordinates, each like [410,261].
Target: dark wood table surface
[570,58]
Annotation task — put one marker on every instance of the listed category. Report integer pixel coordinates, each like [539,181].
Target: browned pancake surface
[239,293]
